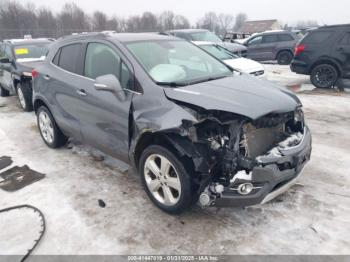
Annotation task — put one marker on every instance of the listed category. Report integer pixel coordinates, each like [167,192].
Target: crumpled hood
[29,66]
[242,94]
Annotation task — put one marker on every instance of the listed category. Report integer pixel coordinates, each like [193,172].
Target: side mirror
[5,60]
[111,84]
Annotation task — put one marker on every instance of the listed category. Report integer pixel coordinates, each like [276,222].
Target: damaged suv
[194,128]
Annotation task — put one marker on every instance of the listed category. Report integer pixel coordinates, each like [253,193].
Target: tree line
[17,20]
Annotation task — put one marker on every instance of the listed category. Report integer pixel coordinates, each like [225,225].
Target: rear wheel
[165,180]
[25,96]
[4,92]
[49,131]
[284,58]
[324,76]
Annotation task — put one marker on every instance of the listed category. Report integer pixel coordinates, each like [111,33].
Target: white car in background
[242,64]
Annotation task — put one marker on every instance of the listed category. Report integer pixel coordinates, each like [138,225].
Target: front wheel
[25,95]
[324,76]
[49,131]
[165,180]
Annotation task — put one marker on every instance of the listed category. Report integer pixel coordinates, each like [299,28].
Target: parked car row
[195,129]
[17,59]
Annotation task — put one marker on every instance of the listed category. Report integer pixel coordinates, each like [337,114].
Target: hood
[242,94]
[245,65]
[28,66]
[233,47]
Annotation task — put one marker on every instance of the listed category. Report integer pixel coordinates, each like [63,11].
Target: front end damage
[238,161]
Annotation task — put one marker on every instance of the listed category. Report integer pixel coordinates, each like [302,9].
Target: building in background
[251,27]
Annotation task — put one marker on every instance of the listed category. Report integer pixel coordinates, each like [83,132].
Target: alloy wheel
[21,98]
[162,180]
[325,77]
[46,127]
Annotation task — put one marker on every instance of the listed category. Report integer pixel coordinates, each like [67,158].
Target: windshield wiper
[207,79]
[171,84]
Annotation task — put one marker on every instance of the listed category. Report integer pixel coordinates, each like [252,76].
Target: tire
[49,131]
[4,92]
[324,76]
[284,57]
[174,180]
[25,95]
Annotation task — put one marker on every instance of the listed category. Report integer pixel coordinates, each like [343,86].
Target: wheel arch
[328,61]
[283,50]
[162,139]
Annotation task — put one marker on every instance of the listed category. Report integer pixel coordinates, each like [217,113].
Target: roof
[257,26]
[188,31]
[120,37]
[16,42]
[333,26]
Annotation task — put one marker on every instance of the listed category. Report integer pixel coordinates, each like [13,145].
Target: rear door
[342,52]
[62,81]
[104,118]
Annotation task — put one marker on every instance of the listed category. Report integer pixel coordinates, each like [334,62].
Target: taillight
[299,49]
[34,73]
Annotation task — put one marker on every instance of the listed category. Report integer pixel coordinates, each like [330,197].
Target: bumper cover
[299,67]
[275,174]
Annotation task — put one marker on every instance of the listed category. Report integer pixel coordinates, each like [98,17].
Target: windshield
[31,52]
[175,63]
[219,52]
[205,36]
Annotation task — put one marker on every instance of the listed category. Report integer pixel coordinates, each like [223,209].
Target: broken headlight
[299,118]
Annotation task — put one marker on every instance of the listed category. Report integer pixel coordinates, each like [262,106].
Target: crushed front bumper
[274,174]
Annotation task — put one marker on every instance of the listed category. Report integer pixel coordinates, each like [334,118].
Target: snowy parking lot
[311,218]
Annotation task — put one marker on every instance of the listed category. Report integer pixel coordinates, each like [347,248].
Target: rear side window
[57,57]
[346,39]
[270,39]
[2,50]
[69,57]
[285,37]
[317,37]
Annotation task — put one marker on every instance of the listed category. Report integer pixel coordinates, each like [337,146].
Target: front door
[253,46]
[104,118]
[342,53]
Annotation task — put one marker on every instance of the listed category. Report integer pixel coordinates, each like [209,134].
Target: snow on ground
[311,218]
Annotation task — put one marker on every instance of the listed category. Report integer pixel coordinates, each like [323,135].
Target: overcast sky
[288,11]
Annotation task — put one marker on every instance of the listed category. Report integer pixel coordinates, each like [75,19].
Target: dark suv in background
[324,54]
[272,45]
[17,59]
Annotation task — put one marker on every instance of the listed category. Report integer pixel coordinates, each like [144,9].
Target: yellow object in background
[21,51]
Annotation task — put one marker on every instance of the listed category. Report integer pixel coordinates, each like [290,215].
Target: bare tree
[166,20]
[226,22]
[181,22]
[148,22]
[99,21]
[209,21]
[241,18]
[307,23]
[73,19]
[46,23]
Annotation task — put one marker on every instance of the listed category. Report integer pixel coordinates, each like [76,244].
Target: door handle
[81,92]
[340,49]
[46,77]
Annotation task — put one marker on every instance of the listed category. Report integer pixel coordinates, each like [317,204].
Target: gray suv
[272,45]
[194,128]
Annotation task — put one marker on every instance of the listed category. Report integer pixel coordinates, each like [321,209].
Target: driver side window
[255,41]
[100,59]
